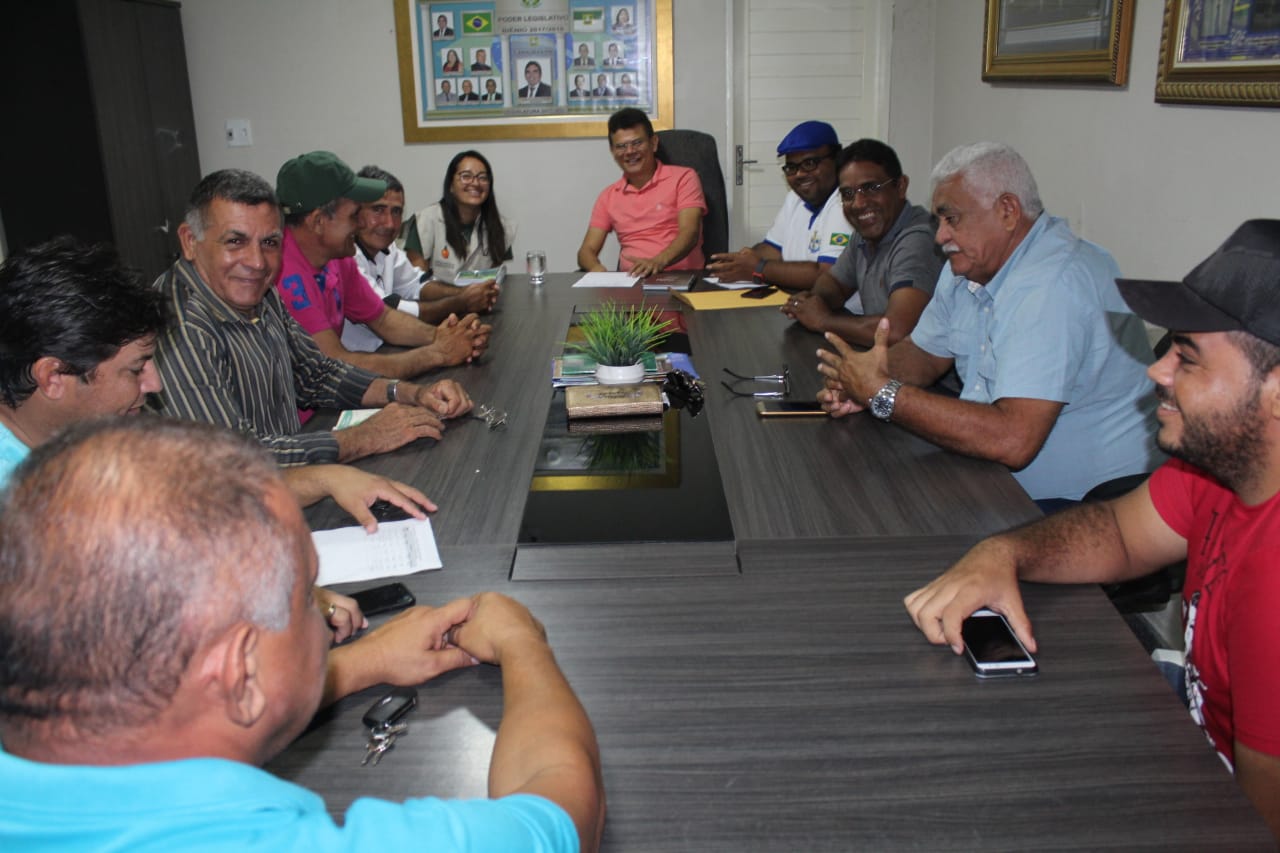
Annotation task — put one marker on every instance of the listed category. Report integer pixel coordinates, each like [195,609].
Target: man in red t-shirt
[321,285]
[655,209]
[1217,505]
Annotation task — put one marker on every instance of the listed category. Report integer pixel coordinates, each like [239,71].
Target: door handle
[738,163]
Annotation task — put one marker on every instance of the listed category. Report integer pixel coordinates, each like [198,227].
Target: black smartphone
[993,649]
[789,409]
[384,599]
[759,292]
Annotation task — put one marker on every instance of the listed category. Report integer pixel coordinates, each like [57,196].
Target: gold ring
[328,614]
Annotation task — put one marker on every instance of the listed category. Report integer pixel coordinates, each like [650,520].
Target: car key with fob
[385,724]
[388,710]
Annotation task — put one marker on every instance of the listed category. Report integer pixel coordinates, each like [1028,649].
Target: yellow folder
[714,299]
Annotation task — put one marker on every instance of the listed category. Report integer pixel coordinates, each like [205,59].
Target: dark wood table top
[795,707]
[791,706]
[796,478]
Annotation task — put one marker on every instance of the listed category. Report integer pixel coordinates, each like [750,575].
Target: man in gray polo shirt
[891,268]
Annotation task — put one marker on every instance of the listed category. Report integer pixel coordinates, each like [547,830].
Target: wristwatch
[881,403]
[758,275]
[394,383]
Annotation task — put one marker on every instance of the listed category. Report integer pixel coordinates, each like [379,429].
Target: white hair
[990,169]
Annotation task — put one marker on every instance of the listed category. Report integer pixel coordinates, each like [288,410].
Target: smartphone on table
[789,409]
[993,650]
[384,599]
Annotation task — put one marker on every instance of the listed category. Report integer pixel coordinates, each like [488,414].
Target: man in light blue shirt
[1052,360]
[161,654]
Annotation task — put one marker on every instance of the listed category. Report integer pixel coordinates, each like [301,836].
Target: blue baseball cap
[808,135]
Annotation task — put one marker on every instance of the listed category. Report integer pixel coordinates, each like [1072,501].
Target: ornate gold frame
[560,126]
[1080,66]
[1245,85]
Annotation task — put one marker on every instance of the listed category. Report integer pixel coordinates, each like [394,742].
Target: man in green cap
[321,284]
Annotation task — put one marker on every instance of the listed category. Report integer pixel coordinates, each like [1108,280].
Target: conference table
[786,704]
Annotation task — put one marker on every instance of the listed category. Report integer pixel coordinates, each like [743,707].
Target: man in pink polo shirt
[656,209]
[321,285]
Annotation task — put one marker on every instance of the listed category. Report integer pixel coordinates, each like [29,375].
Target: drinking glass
[536,262]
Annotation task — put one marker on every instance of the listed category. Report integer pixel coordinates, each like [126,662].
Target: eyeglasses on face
[631,145]
[806,165]
[473,177]
[864,190]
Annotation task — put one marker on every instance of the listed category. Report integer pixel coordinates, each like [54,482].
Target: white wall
[1160,186]
[315,74]
[911,72]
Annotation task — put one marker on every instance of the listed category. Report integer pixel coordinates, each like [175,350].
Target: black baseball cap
[1233,290]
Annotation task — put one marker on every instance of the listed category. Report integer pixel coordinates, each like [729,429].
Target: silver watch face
[882,402]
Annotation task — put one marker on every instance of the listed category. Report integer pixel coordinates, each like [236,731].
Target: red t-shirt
[646,219]
[1230,606]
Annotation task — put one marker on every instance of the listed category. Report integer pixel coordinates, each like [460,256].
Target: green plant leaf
[620,335]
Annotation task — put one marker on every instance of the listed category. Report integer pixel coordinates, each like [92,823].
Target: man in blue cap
[1215,505]
[810,230]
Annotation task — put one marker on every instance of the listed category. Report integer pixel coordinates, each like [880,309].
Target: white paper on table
[398,548]
[731,285]
[606,279]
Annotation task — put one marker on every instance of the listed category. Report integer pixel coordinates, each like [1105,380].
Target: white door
[795,60]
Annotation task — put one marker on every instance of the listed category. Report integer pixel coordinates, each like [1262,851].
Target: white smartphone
[993,649]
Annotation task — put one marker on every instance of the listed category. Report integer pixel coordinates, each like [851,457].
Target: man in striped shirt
[231,355]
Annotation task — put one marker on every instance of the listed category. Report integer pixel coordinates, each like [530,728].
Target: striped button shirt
[250,375]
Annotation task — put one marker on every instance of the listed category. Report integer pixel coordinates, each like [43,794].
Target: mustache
[1163,394]
[950,249]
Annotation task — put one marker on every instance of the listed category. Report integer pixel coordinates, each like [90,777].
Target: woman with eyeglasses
[463,230]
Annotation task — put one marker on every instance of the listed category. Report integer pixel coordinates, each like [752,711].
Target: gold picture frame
[542,34]
[1210,54]
[1079,41]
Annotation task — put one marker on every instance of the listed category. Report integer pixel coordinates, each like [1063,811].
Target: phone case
[384,599]
[763,410]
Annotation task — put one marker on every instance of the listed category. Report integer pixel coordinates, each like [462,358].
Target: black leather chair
[697,151]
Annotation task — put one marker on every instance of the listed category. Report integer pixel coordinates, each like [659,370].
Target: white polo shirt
[804,235]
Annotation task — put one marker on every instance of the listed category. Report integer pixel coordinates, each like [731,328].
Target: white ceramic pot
[628,374]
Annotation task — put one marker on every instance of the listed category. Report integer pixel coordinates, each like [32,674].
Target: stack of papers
[606,279]
[658,281]
[398,548]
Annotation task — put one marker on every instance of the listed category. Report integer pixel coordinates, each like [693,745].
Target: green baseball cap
[313,180]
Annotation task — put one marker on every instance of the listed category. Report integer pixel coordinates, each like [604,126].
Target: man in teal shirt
[78,342]
[157,657]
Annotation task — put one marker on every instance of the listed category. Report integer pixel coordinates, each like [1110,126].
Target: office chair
[697,151]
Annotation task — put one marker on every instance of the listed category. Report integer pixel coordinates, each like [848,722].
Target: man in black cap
[1215,505]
